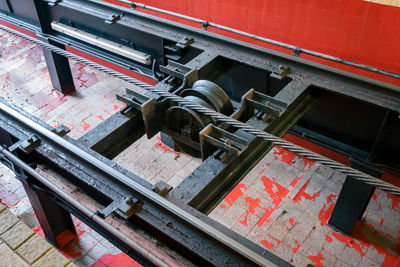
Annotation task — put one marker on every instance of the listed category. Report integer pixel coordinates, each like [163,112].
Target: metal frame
[287,91]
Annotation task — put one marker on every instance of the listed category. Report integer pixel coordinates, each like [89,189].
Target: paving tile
[367,262]
[51,258]
[375,256]
[7,220]
[10,258]
[300,260]
[110,247]
[87,242]
[98,251]
[33,248]
[2,207]
[350,256]
[17,234]
[85,261]
[340,263]
[284,251]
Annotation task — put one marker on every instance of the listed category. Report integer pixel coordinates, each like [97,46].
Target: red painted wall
[355,30]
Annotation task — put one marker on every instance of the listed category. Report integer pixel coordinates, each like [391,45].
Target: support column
[59,70]
[352,202]
[55,221]
[58,66]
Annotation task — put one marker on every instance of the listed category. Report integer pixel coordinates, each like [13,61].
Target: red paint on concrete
[307,164]
[119,260]
[294,250]
[252,203]
[100,118]
[295,181]
[383,243]
[64,238]
[302,194]
[277,197]
[265,217]
[235,194]
[328,239]
[83,78]
[317,260]
[79,231]
[71,251]
[267,244]
[325,213]
[86,125]
[3,203]
[106,111]
[350,242]
[162,145]
[38,230]
[395,202]
[330,198]
[284,155]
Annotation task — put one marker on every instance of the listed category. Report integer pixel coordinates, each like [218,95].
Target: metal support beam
[352,202]
[115,134]
[58,66]
[53,219]
[59,70]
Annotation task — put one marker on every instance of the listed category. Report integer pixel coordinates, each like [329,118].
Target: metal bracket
[152,110]
[282,72]
[213,137]
[125,208]
[185,42]
[61,130]
[180,71]
[112,19]
[264,103]
[297,51]
[26,145]
[162,188]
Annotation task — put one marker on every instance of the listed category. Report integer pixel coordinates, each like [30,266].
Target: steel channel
[140,189]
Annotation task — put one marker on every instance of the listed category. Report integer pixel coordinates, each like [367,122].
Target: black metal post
[58,66]
[53,219]
[352,202]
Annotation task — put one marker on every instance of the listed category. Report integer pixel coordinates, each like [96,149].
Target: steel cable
[358,175]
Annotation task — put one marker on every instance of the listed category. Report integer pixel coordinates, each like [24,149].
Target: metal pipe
[296,50]
[87,212]
[140,189]
[92,39]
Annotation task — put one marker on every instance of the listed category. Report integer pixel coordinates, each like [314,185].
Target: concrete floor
[283,204]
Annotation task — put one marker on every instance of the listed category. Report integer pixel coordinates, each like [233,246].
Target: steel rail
[296,50]
[85,211]
[355,174]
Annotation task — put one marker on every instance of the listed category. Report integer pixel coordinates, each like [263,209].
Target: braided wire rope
[355,174]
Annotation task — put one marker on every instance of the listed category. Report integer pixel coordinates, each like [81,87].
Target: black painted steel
[182,56]
[52,215]
[239,250]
